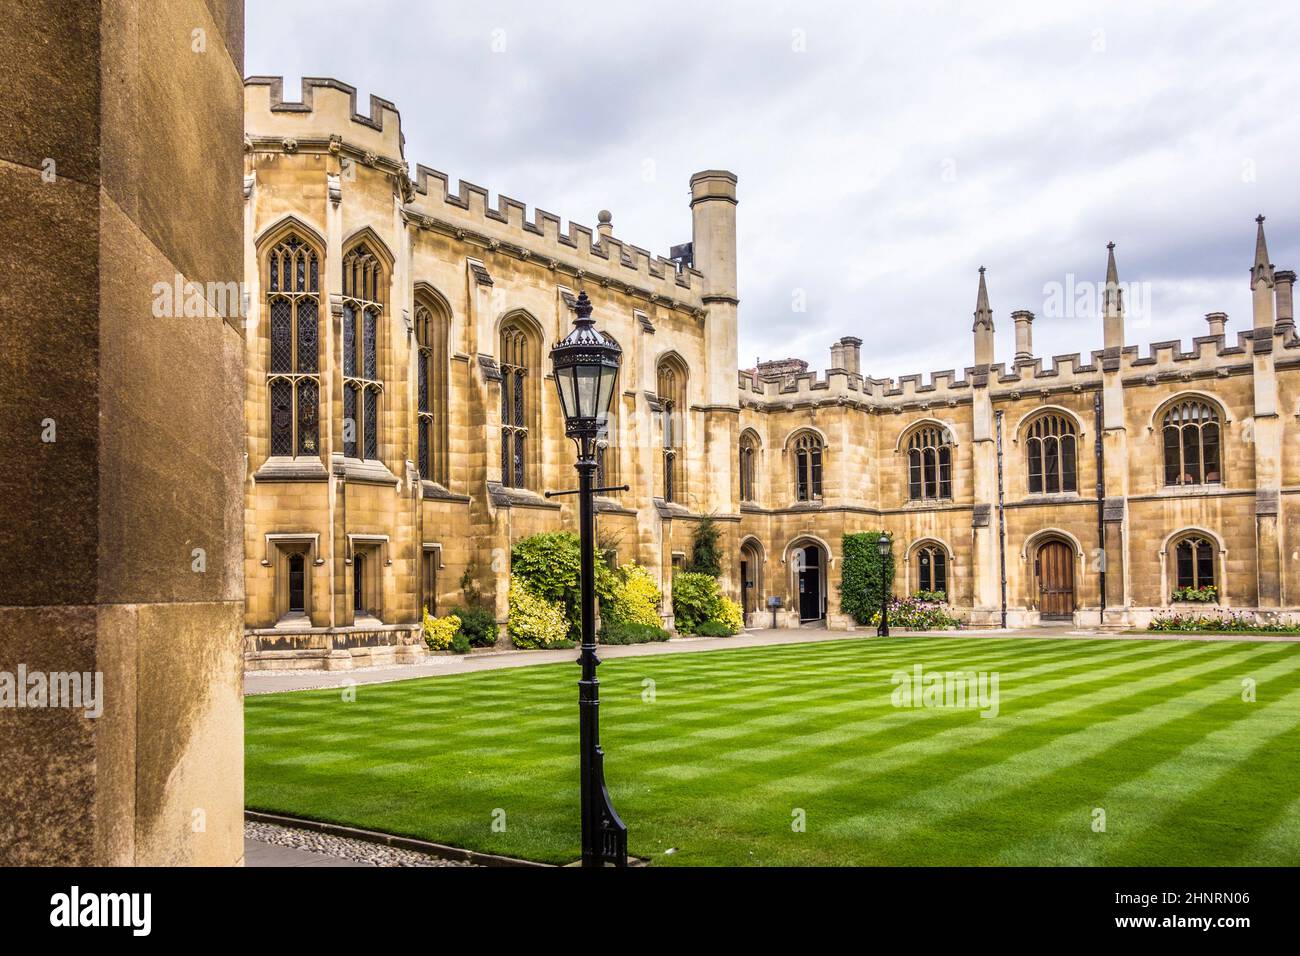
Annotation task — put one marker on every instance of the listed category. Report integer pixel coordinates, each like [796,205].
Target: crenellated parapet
[326,120]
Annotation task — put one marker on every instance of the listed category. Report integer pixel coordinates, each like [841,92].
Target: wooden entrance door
[1055,572]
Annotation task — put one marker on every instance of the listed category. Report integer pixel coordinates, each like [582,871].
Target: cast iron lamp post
[883,546]
[586,366]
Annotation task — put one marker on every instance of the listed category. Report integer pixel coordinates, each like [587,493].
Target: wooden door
[810,586]
[1055,580]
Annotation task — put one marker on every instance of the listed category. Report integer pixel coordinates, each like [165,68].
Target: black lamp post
[883,545]
[586,366]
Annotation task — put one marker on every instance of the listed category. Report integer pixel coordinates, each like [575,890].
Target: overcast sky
[885,150]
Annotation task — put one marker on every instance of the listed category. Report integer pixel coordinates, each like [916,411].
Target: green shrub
[1206,594]
[551,565]
[631,633]
[440,632]
[860,586]
[460,643]
[636,598]
[940,597]
[705,557]
[479,626]
[534,621]
[698,603]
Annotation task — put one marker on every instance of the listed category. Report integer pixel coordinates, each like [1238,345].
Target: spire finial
[1262,268]
[983,314]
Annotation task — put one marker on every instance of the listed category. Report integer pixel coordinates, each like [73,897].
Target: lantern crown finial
[583,307]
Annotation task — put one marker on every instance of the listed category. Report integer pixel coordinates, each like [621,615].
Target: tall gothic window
[932,569]
[1191,437]
[808,467]
[431,328]
[516,402]
[748,450]
[1194,562]
[363,292]
[293,301]
[929,464]
[1051,444]
[671,383]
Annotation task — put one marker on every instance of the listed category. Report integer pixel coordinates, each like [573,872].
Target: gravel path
[344,848]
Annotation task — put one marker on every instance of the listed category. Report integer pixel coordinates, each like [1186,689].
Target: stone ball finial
[604,217]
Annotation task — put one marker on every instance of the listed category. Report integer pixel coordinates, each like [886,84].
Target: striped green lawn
[735,743]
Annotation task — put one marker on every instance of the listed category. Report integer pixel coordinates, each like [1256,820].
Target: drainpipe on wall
[1101,494]
[1002,522]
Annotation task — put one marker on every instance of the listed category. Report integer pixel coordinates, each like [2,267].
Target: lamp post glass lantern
[585,363]
[884,545]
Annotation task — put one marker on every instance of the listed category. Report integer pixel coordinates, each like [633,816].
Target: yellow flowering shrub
[636,598]
[439,631]
[534,621]
[729,614]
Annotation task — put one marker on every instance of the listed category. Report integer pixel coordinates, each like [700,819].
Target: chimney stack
[1216,320]
[1024,336]
[1283,281]
[845,354]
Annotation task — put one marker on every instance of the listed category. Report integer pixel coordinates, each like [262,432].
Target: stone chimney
[781,370]
[845,354]
[1216,320]
[1283,281]
[1024,336]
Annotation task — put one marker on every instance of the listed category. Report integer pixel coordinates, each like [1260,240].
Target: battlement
[327,119]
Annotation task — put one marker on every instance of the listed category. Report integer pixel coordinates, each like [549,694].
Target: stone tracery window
[808,467]
[293,301]
[431,330]
[516,362]
[932,569]
[929,464]
[1191,443]
[1194,563]
[1051,447]
[671,384]
[363,291]
[748,451]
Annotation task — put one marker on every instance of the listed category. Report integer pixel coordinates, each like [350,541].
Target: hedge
[861,575]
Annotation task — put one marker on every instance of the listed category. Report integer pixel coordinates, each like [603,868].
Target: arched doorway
[1054,579]
[810,582]
[751,578]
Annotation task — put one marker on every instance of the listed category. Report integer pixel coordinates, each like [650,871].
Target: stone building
[402,427]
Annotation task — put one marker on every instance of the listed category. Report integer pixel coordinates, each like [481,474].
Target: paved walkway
[266,682]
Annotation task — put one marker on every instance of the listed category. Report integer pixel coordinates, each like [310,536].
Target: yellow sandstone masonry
[402,425]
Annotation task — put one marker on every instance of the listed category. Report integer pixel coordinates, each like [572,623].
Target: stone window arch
[293,371]
[931,565]
[670,378]
[748,455]
[432,329]
[808,454]
[929,463]
[1192,439]
[1051,454]
[520,348]
[364,291]
[1195,562]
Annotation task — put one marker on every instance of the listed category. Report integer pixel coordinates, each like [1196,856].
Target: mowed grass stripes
[797,755]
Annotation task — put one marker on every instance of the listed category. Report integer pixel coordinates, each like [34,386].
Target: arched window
[1194,564]
[1191,437]
[431,328]
[293,301]
[808,467]
[932,569]
[516,402]
[671,381]
[929,464]
[748,450]
[1051,444]
[363,291]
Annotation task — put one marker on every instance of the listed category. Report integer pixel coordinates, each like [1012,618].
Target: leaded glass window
[363,292]
[1191,434]
[748,451]
[1050,445]
[1194,561]
[808,467]
[671,381]
[293,302]
[929,464]
[932,569]
[516,352]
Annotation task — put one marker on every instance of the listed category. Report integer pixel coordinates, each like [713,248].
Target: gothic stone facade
[402,425]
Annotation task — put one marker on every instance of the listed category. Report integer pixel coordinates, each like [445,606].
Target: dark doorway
[810,583]
[358,583]
[1054,568]
[297,583]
